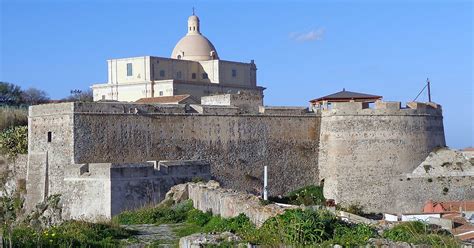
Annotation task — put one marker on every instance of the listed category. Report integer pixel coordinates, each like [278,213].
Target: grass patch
[68,234]
[416,232]
[12,117]
[294,227]
[163,213]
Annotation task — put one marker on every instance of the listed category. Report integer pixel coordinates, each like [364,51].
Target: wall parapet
[384,108]
[152,169]
[277,110]
[51,109]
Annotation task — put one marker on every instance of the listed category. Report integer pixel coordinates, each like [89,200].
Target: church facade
[193,69]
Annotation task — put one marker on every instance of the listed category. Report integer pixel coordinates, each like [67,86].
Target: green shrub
[12,117]
[405,231]
[302,227]
[309,195]
[419,233]
[350,235]
[198,217]
[14,141]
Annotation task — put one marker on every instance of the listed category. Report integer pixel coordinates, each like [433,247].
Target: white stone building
[194,68]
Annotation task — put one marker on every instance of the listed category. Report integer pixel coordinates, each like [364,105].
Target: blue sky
[303,49]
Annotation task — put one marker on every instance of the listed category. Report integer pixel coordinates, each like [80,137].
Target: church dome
[194,46]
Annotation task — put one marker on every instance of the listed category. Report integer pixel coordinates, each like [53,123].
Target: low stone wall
[99,191]
[210,197]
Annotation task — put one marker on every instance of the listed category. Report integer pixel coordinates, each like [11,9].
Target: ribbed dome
[194,46]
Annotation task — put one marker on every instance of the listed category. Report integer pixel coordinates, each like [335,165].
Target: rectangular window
[129,69]
[193,76]
[234,73]
[204,76]
[103,97]
[161,93]
[50,136]
[178,75]
[162,73]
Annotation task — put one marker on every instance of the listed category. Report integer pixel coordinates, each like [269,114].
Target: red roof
[163,99]
[448,206]
[462,229]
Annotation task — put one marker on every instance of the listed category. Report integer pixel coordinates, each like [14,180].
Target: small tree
[33,96]
[10,94]
[80,96]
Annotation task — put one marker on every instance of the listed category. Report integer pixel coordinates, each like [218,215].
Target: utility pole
[265,183]
[429,89]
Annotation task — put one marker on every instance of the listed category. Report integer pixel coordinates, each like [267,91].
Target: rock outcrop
[210,197]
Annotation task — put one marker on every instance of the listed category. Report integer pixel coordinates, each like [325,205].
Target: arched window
[179,56]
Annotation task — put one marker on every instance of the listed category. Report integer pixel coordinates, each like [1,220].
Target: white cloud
[313,35]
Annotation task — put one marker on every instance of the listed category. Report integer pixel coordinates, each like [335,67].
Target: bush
[417,232]
[12,117]
[405,231]
[301,227]
[198,217]
[350,235]
[14,141]
[309,195]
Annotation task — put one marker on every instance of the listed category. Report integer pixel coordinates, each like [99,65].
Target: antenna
[193,10]
[429,90]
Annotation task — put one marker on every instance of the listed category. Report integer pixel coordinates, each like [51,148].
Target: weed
[309,195]
[416,232]
[12,117]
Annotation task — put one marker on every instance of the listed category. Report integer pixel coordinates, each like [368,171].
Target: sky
[303,49]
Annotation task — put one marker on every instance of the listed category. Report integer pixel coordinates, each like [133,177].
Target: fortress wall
[247,102]
[87,193]
[411,193]
[136,187]
[46,160]
[283,110]
[237,146]
[363,150]
[215,110]
[102,190]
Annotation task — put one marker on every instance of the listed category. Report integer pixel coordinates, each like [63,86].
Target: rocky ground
[155,235]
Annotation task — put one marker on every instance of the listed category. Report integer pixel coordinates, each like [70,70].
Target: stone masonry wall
[237,146]
[364,151]
[99,191]
[360,154]
[230,203]
[47,160]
